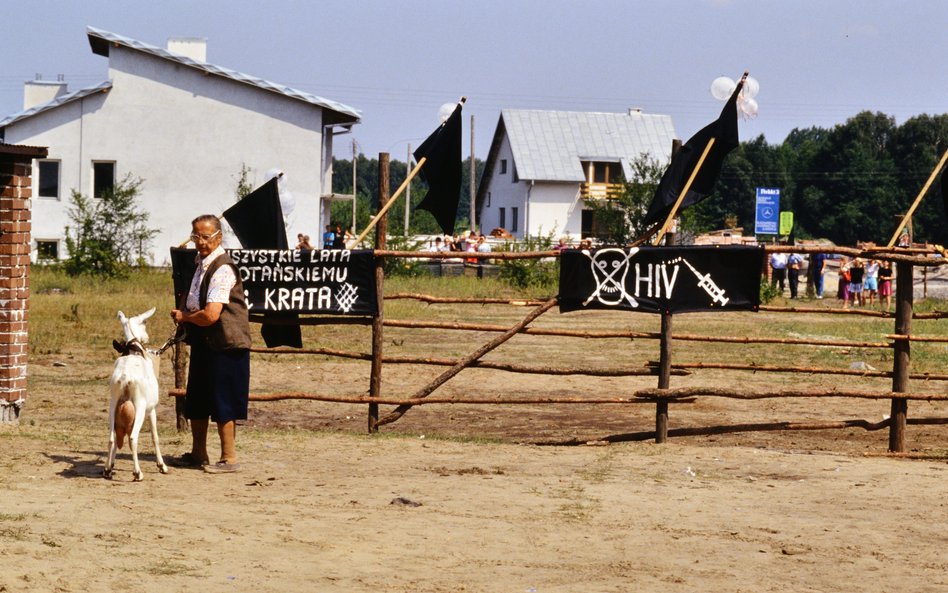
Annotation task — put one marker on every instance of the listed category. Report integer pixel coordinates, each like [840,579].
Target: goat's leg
[133,439]
[110,461]
[153,420]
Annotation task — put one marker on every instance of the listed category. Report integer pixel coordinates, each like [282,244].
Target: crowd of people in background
[862,283]
[334,237]
[468,241]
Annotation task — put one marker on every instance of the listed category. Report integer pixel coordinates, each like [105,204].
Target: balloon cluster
[722,87]
[287,201]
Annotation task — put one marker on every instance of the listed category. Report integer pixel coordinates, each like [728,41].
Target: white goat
[134,392]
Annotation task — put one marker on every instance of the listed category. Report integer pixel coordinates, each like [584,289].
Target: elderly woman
[215,315]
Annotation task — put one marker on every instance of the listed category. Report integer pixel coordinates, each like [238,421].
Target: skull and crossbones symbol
[610,266]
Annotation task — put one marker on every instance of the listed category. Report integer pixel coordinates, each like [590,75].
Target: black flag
[257,220]
[442,171]
[724,132]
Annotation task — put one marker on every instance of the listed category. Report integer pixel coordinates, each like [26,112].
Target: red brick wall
[15,193]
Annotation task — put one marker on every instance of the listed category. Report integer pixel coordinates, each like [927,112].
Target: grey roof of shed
[101,40]
[549,145]
[60,100]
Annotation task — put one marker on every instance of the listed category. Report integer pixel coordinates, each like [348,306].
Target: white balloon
[751,88]
[445,112]
[748,107]
[287,203]
[722,87]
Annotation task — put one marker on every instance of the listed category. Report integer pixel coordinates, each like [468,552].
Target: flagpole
[684,191]
[395,196]
[389,204]
[921,194]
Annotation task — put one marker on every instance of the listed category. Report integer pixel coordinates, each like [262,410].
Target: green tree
[850,185]
[110,232]
[622,217]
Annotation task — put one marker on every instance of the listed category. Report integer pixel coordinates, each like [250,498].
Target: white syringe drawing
[705,282]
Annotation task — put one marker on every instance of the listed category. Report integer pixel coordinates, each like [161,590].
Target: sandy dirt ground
[461,498]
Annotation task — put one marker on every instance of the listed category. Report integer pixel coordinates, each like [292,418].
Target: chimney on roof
[192,47]
[39,91]
[634,110]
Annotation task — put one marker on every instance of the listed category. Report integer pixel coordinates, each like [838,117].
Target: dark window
[503,166]
[48,179]
[47,250]
[103,178]
[488,200]
[503,218]
[514,178]
[514,215]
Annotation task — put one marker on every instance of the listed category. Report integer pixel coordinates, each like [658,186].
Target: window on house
[514,177]
[514,215]
[103,178]
[487,203]
[595,224]
[503,166]
[503,218]
[47,250]
[601,172]
[48,181]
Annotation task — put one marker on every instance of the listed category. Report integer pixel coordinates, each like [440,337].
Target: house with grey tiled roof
[187,128]
[545,167]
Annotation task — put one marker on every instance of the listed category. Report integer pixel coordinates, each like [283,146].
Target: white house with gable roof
[544,166]
[184,126]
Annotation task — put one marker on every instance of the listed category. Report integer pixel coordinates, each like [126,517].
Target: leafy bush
[110,232]
[533,272]
[768,291]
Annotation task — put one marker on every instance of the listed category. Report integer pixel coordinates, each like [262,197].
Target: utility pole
[473,171]
[353,186]
[407,188]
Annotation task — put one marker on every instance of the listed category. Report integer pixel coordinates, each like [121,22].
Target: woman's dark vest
[232,330]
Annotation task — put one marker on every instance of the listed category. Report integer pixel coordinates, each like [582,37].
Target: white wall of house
[555,209]
[504,194]
[542,208]
[186,134]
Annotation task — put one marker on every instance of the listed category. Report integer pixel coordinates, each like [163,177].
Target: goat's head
[134,327]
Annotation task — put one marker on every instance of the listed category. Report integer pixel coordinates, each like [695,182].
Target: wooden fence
[664,368]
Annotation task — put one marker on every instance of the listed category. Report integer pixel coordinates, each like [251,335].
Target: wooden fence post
[904,297]
[664,378]
[179,358]
[375,380]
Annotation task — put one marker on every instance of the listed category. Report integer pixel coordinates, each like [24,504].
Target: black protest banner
[661,279]
[321,281]
[325,281]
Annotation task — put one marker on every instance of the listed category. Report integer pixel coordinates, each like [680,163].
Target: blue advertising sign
[767,220]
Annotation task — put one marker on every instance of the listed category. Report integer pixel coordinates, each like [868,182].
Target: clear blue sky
[818,61]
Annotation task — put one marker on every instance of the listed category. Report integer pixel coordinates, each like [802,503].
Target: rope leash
[175,337]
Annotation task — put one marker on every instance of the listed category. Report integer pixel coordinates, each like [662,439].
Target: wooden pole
[407,190]
[467,360]
[904,296]
[664,379]
[921,194]
[473,216]
[375,380]
[179,359]
[681,197]
[389,203]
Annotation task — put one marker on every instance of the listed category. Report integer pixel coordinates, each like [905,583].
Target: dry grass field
[460,497]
